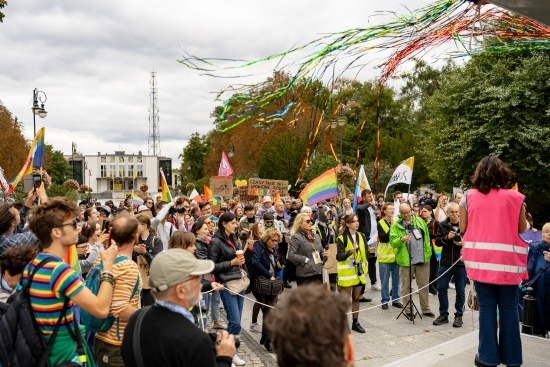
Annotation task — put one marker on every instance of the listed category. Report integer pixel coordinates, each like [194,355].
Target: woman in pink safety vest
[491,218]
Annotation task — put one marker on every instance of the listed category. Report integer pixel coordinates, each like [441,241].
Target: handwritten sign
[260,187]
[222,186]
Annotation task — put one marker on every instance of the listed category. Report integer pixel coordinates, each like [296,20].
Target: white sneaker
[232,364]
[452,286]
[255,328]
[237,361]
[375,287]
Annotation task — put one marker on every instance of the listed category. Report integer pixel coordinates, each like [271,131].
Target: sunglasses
[268,222]
[74,223]
[308,221]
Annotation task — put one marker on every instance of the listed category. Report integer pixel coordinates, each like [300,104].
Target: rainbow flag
[321,188]
[136,199]
[216,200]
[277,197]
[207,193]
[71,258]
[166,196]
[34,159]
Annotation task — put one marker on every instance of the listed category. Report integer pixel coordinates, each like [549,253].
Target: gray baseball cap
[171,267]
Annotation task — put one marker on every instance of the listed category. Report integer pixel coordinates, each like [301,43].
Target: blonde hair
[546,228]
[271,233]
[296,226]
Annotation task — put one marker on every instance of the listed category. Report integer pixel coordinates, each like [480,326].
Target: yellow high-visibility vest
[386,253]
[347,275]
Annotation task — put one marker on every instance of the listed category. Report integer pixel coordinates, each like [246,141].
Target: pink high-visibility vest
[492,250]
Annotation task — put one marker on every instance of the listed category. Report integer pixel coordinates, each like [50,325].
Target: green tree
[192,166]
[3,3]
[494,105]
[57,166]
[14,149]
[281,158]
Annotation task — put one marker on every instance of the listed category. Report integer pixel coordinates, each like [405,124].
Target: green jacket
[397,231]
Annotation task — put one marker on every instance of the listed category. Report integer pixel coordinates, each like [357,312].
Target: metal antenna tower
[154,135]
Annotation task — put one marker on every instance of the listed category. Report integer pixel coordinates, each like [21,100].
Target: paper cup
[240,254]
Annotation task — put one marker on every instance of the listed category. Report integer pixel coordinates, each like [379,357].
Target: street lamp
[340,122]
[38,109]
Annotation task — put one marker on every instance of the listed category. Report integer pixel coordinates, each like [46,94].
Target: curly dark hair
[15,258]
[299,338]
[6,218]
[491,173]
[44,218]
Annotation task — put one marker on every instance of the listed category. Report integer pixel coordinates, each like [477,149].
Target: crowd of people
[166,267]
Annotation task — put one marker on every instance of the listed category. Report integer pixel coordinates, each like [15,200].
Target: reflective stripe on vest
[347,276]
[386,253]
[496,247]
[495,267]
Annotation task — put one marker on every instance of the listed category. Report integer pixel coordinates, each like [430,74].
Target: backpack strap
[136,343]
[532,281]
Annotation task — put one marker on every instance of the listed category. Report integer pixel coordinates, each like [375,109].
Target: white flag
[402,174]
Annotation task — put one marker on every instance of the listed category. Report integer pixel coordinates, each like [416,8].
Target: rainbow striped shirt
[51,285]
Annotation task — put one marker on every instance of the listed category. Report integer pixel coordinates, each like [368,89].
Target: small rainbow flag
[136,199]
[321,188]
[166,196]
[216,200]
[34,159]
[207,193]
[277,197]
[71,258]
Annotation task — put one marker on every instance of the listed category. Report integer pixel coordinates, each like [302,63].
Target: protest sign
[261,187]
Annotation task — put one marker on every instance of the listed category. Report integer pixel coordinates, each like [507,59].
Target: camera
[214,336]
[409,227]
[173,211]
[457,237]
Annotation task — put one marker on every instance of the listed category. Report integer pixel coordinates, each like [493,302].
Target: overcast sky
[93,59]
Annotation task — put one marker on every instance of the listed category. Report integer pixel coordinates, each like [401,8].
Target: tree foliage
[13,146]
[494,105]
[3,4]
[192,167]
[56,165]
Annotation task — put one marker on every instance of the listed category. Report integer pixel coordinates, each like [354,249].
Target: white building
[113,176]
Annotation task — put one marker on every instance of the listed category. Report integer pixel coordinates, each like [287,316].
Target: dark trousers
[289,274]
[372,269]
[434,267]
[268,300]
[312,279]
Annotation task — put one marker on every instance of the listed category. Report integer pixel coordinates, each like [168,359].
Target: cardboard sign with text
[222,186]
[261,187]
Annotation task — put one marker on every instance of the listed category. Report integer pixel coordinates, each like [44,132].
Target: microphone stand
[413,309]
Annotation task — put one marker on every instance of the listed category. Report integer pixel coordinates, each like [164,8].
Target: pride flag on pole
[34,159]
[402,174]
[136,199]
[323,187]
[207,193]
[362,184]
[225,167]
[166,196]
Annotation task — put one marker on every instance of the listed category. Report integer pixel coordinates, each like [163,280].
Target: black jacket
[363,215]
[221,253]
[261,262]
[201,251]
[177,342]
[450,252]
[153,245]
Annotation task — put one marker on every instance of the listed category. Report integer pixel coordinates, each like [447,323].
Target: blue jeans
[443,286]
[385,270]
[215,306]
[507,348]
[234,308]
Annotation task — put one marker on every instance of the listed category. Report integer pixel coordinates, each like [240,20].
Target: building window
[130,159]
[103,159]
[112,159]
[129,185]
[120,159]
[139,159]
[130,170]
[116,185]
[120,172]
[112,170]
[103,170]
[140,170]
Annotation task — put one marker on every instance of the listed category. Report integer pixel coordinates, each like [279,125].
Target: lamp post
[340,122]
[38,109]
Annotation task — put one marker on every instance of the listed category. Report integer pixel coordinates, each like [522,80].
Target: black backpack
[21,341]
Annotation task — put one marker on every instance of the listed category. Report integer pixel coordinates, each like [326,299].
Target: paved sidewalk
[398,342]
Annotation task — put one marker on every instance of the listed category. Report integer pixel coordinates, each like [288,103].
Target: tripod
[414,310]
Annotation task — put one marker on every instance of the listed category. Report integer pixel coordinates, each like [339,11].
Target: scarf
[309,235]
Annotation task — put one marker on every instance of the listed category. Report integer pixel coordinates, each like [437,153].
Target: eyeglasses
[74,223]
[308,221]
[268,222]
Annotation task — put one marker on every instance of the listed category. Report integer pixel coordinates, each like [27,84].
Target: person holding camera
[410,236]
[448,237]
[175,279]
[352,266]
